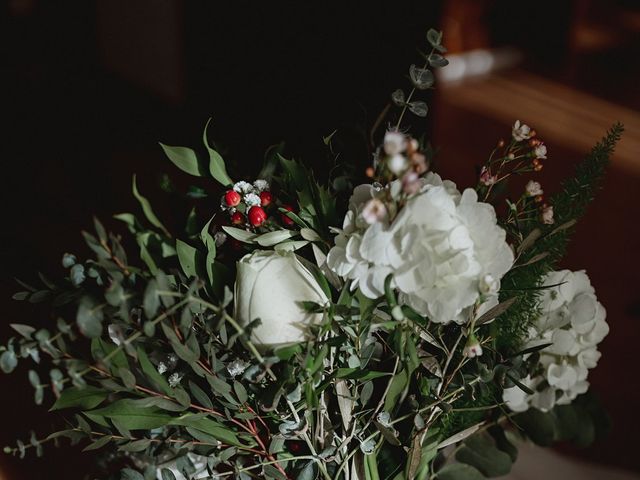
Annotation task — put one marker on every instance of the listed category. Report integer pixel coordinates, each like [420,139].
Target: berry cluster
[248,204]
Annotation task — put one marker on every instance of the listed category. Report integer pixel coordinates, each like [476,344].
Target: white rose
[270,286]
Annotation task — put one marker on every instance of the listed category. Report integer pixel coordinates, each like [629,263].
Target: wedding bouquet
[401,329]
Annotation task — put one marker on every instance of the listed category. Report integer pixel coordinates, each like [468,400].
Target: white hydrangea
[573,322]
[440,248]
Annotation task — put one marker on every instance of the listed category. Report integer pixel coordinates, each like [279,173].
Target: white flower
[472,348]
[374,211]
[540,151]
[243,187]
[397,164]
[251,199]
[438,248]
[520,131]
[162,367]
[486,178]
[489,285]
[394,143]
[270,286]
[411,183]
[174,379]
[573,322]
[533,188]
[236,367]
[261,185]
[547,215]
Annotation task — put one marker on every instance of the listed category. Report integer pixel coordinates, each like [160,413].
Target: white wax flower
[573,322]
[540,151]
[261,185]
[394,143]
[438,248]
[270,286]
[520,131]
[397,163]
[374,211]
[243,187]
[533,188]
[251,199]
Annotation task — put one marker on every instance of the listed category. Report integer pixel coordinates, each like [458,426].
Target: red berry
[232,198]
[286,220]
[257,216]
[237,218]
[266,198]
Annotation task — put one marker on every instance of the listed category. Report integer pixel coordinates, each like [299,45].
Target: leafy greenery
[147,361]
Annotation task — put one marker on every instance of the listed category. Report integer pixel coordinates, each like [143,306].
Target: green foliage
[540,247]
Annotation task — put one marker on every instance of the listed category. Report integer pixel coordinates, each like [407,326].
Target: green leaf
[8,361]
[152,373]
[217,168]
[208,426]
[459,471]
[185,159]
[89,318]
[187,257]
[129,474]
[101,442]
[398,384]
[539,426]
[272,238]
[131,416]
[135,445]
[147,210]
[25,330]
[240,235]
[480,452]
[83,398]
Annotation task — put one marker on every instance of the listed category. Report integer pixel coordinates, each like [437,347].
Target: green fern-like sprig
[569,205]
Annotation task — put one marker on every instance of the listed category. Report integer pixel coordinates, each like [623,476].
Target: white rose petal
[270,286]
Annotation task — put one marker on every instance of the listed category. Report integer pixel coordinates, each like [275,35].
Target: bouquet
[400,329]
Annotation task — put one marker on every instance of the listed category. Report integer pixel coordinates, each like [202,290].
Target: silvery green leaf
[384,418]
[273,238]
[68,260]
[419,108]
[368,446]
[296,394]
[309,234]
[458,437]
[25,330]
[77,274]
[8,361]
[398,97]
[422,78]
[437,60]
[240,235]
[434,37]
[291,246]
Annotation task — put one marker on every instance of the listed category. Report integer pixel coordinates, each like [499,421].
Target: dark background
[88,88]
